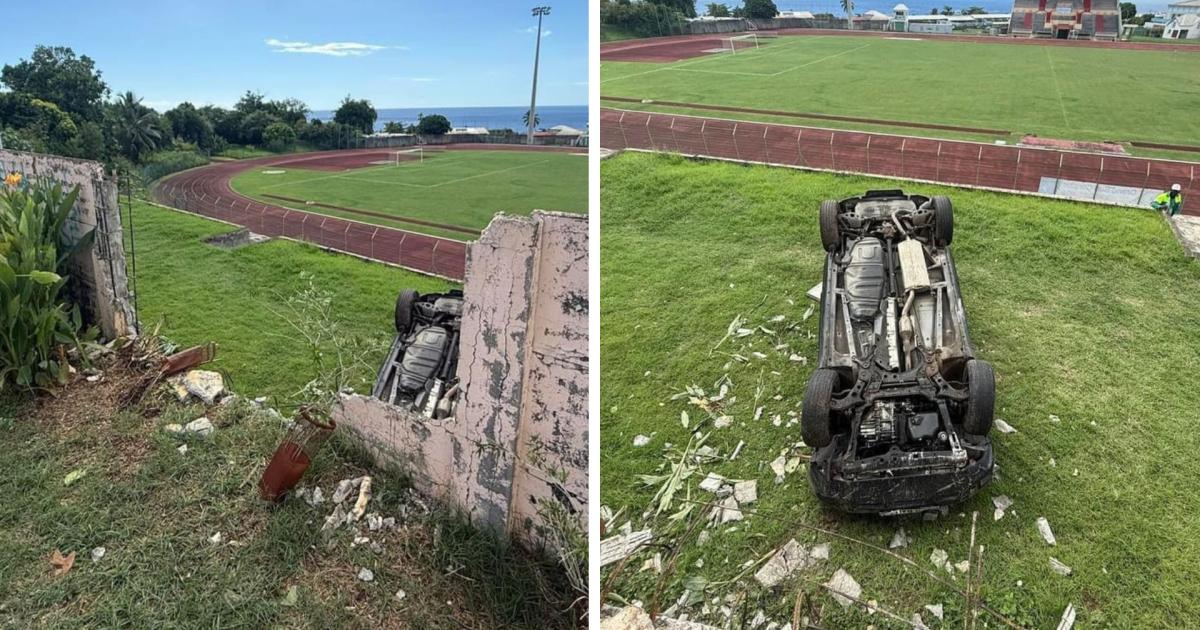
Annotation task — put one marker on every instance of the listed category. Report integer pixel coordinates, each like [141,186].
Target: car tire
[815,425]
[404,308]
[831,236]
[981,397]
[943,220]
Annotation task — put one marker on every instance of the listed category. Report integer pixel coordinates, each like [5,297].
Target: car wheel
[943,220]
[815,426]
[404,308]
[830,233]
[981,397]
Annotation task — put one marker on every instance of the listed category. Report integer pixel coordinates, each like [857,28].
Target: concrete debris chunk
[1068,618]
[1043,526]
[629,618]
[400,595]
[618,547]
[641,440]
[202,427]
[872,606]
[779,467]
[182,449]
[216,538]
[844,588]
[1004,427]
[962,568]
[98,553]
[345,488]
[1002,503]
[174,429]
[713,483]
[1059,567]
[939,558]
[819,552]
[745,491]
[364,495]
[917,623]
[374,522]
[935,610]
[787,560]
[727,511]
[205,385]
[1055,419]
[899,539]
[315,498]
[335,519]
[366,575]
[177,386]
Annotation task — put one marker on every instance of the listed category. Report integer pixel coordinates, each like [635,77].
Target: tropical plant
[848,7]
[760,9]
[279,136]
[433,125]
[134,126]
[717,9]
[36,324]
[537,120]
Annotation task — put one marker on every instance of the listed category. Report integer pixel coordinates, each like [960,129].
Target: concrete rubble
[842,585]
[789,559]
[1043,527]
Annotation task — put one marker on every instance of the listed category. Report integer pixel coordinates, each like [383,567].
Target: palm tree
[848,7]
[134,126]
[537,120]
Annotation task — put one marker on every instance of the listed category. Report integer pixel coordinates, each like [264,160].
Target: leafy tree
[760,9]
[56,75]
[134,127]
[974,11]
[644,19]
[249,103]
[687,8]
[1147,18]
[716,9]
[537,120]
[253,125]
[279,136]
[292,111]
[947,10]
[227,124]
[1128,10]
[357,114]
[433,125]
[392,126]
[190,124]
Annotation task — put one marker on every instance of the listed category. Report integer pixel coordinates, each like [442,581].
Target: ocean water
[491,117]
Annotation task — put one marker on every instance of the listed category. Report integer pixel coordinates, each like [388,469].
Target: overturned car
[899,407]
[420,371]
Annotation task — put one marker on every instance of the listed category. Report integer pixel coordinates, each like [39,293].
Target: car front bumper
[888,493]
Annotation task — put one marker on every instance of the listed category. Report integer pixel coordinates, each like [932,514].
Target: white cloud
[333,49]
[532,30]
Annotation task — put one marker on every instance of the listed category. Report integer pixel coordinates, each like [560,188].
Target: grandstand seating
[1066,19]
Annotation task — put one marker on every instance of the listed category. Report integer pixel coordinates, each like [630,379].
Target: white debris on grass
[726,512]
[345,487]
[216,538]
[366,575]
[182,449]
[1068,618]
[790,558]
[745,491]
[205,385]
[1002,503]
[843,587]
[618,547]
[315,498]
[736,450]
[400,595]
[98,553]
[1043,526]
[917,623]
[899,539]
[641,440]
[962,567]
[941,559]
[935,610]
[713,483]
[1004,427]
[1055,419]
[1059,567]
[364,495]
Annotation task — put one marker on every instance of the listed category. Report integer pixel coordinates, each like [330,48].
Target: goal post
[414,155]
[741,42]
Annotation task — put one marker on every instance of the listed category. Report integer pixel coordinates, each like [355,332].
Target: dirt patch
[668,51]
[236,239]
[1110,148]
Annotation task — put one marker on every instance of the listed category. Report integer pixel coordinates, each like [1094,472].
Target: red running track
[207,191]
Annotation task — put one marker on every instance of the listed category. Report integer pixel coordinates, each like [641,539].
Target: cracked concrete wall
[517,445]
[97,274]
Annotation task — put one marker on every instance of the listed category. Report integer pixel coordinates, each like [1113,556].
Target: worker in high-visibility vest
[1171,200]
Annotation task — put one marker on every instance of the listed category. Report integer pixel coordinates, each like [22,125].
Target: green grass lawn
[460,188]
[1060,92]
[1088,313]
[154,509]
[206,293]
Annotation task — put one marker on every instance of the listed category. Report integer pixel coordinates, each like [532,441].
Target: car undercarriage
[899,407]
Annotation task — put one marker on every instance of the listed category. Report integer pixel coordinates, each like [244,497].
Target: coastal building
[1183,20]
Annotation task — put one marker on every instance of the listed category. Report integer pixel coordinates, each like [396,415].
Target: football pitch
[1092,94]
[452,194]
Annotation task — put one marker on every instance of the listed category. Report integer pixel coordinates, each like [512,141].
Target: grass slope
[205,293]
[462,188]
[1061,92]
[1087,312]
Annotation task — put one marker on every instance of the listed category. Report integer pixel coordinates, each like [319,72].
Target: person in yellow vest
[1171,200]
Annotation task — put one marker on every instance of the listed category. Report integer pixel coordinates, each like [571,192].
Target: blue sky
[397,53]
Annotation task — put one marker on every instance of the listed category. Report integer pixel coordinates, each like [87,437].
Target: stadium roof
[900,7]
[1185,4]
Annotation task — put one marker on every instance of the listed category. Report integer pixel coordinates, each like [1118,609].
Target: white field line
[447,182]
[1057,89]
[709,57]
[372,169]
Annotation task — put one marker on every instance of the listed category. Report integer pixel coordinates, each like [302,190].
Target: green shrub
[164,163]
[279,137]
[36,325]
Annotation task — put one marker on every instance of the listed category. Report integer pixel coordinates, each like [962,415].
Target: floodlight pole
[537,53]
